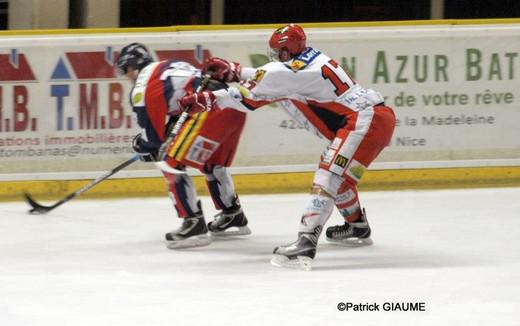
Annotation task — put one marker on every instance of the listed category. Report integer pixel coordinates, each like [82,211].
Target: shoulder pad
[271,67]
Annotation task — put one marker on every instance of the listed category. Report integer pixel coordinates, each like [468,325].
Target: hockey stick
[161,164]
[41,209]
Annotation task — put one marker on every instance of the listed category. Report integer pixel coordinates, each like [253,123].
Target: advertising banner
[455,90]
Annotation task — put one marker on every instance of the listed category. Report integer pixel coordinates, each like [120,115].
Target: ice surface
[103,262]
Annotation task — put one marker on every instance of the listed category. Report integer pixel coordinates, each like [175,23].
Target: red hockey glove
[223,70]
[197,102]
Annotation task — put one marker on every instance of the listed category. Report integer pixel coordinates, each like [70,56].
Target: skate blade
[234,231]
[356,242]
[301,262]
[191,242]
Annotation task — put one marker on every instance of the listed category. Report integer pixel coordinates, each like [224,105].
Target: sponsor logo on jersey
[136,99]
[297,65]
[259,74]
[308,55]
[341,161]
[303,59]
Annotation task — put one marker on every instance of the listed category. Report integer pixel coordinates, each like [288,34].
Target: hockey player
[207,141]
[320,95]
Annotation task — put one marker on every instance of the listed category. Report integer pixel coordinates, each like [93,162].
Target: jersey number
[328,73]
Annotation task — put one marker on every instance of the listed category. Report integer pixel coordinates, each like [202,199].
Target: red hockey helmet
[286,42]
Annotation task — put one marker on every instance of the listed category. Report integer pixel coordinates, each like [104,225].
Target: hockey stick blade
[37,208]
[163,166]
[41,209]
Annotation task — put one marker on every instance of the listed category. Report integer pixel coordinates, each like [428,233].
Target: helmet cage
[134,55]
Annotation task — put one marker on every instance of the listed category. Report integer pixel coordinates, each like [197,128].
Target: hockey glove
[198,102]
[145,153]
[222,70]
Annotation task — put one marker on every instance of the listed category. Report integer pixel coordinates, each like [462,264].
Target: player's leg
[214,148]
[231,219]
[326,185]
[355,230]
[193,231]
[317,211]
[337,165]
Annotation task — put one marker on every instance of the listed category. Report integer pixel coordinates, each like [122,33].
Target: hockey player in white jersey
[319,94]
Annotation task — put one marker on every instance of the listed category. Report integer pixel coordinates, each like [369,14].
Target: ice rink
[103,262]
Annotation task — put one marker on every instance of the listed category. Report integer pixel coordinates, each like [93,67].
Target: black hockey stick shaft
[41,209]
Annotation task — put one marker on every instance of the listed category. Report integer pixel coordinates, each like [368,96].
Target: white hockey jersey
[311,87]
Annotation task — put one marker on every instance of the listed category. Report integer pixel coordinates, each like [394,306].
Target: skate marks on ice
[411,230]
[333,257]
[104,263]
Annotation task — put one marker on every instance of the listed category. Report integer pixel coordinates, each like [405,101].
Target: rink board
[64,113]
[273,183]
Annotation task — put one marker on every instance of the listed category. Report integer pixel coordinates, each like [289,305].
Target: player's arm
[262,86]
[227,71]
[147,143]
[248,96]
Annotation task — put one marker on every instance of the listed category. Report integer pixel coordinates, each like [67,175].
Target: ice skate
[351,234]
[192,233]
[299,254]
[229,223]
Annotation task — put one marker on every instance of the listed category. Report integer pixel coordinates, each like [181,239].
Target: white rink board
[455,90]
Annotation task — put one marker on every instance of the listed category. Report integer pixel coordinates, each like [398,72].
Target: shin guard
[221,188]
[183,194]
[316,213]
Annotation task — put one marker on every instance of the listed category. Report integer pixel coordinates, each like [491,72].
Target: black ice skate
[351,234]
[229,223]
[298,254]
[192,233]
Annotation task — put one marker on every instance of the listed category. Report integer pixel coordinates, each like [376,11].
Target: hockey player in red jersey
[207,141]
[319,94]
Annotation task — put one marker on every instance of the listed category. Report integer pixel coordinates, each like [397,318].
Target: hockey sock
[316,213]
[221,188]
[348,205]
[183,194]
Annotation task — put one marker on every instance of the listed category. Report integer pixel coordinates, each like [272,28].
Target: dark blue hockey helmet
[134,55]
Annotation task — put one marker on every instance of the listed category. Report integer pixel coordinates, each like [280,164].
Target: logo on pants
[341,161]
[201,150]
